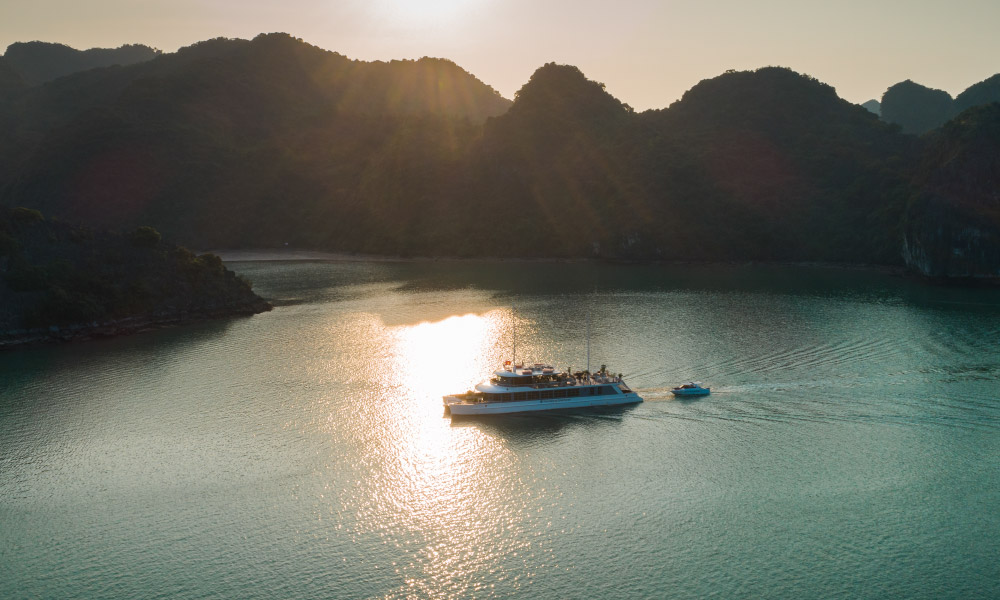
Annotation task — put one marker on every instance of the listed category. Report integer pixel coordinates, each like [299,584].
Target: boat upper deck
[541,376]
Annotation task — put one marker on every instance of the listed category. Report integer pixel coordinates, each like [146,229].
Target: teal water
[850,447]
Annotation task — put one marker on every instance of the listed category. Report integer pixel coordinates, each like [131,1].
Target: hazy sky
[648,52]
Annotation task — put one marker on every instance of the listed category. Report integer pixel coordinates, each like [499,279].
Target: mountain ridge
[919,109]
[41,62]
[272,141]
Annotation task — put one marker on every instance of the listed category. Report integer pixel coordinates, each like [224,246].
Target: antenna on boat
[513,314]
[588,341]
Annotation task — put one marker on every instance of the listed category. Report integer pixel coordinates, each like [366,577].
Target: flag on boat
[506,362]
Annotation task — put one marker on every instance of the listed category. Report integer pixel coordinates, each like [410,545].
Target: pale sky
[647,52]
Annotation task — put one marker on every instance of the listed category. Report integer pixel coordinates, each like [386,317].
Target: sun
[425,12]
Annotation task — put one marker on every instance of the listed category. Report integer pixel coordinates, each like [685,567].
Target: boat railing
[537,385]
[592,380]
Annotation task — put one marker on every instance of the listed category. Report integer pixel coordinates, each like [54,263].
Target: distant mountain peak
[873,106]
[914,107]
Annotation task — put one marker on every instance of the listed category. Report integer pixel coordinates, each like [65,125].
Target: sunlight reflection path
[443,495]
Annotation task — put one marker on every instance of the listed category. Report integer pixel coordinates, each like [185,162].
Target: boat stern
[447,401]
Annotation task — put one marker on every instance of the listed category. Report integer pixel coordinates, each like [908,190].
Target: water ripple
[848,449]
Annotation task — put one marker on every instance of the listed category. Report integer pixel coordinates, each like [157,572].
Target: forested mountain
[38,62]
[781,167]
[766,165]
[552,173]
[234,143]
[953,221]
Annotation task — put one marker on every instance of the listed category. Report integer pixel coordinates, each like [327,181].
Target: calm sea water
[850,447]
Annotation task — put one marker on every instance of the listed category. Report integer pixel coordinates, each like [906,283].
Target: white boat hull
[458,407]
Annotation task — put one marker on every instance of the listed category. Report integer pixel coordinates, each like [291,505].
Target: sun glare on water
[434,359]
[435,485]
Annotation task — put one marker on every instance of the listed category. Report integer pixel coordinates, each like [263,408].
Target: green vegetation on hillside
[54,275]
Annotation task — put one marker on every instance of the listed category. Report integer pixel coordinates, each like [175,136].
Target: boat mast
[588,341]
[513,312]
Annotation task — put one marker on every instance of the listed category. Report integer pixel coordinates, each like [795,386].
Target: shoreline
[287,255]
[296,255]
[293,255]
[16,339]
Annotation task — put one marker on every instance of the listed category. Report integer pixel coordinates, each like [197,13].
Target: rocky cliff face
[952,226]
[942,244]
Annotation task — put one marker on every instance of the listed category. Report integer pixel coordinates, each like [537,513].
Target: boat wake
[664,393]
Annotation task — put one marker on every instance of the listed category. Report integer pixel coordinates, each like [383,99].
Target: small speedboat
[692,388]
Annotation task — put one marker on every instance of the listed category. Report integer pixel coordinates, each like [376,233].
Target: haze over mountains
[234,143]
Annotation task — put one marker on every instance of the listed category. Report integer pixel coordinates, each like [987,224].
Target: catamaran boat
[527,388]
[692,388]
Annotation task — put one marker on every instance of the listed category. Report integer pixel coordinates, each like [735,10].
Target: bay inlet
[850,446]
